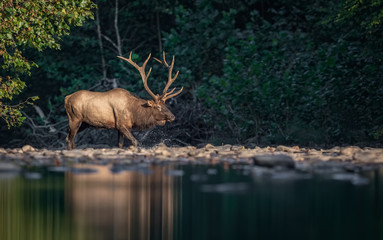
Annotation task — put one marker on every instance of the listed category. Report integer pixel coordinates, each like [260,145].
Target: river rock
[203,154]
[209,147]
[237,148]
[28,148]
[183,150]
[161,146]
[163,152]
[282,148]
[334,150]
[274,160]
[247,154]
[351,150]
[76,153]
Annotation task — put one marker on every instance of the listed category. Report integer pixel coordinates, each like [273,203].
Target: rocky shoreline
[267,156]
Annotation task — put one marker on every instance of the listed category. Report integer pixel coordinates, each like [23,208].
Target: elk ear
[149,103]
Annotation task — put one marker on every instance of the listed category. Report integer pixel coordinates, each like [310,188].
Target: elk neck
[143,117]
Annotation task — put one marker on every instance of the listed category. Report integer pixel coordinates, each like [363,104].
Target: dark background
[253,72]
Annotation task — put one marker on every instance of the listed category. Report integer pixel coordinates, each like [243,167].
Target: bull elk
[119,109]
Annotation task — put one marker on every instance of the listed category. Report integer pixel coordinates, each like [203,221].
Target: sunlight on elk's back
[119,109]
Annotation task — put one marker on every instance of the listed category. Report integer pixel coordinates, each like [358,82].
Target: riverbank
[266,156]
[351,164]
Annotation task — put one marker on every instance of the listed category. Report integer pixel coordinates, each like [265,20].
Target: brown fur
[115,109]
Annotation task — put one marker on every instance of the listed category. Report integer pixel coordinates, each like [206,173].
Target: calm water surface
[188,201]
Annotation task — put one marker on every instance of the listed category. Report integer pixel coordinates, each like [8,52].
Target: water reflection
[127,205]
[188,201]
[97,205]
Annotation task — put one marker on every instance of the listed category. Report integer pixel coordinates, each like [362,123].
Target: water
[188,201]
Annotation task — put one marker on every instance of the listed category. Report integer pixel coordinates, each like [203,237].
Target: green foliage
[198,40]
[280,79]
[368,14]
[363,21]
[31,24]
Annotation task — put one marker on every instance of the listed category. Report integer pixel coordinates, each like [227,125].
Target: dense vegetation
[33,24]
[299,72]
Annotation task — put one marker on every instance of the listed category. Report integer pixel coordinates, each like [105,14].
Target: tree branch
[99,34]
[118,38]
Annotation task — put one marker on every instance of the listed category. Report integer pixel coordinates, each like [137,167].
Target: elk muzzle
[171,118]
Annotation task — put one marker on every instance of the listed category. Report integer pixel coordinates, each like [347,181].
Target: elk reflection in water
[104,205]
[137,204]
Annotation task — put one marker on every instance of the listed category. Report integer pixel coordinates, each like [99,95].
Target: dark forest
[253,72]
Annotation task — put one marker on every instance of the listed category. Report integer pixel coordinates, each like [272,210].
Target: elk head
[161,112]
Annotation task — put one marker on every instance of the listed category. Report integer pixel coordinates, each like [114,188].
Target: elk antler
[166,95]
[142,73]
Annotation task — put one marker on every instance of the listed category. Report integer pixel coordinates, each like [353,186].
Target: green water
[186,201]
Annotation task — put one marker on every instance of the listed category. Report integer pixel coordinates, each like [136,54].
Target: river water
[188,201]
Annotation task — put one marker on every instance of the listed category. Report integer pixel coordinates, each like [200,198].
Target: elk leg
[126,132]
[72,131]
[120,139]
